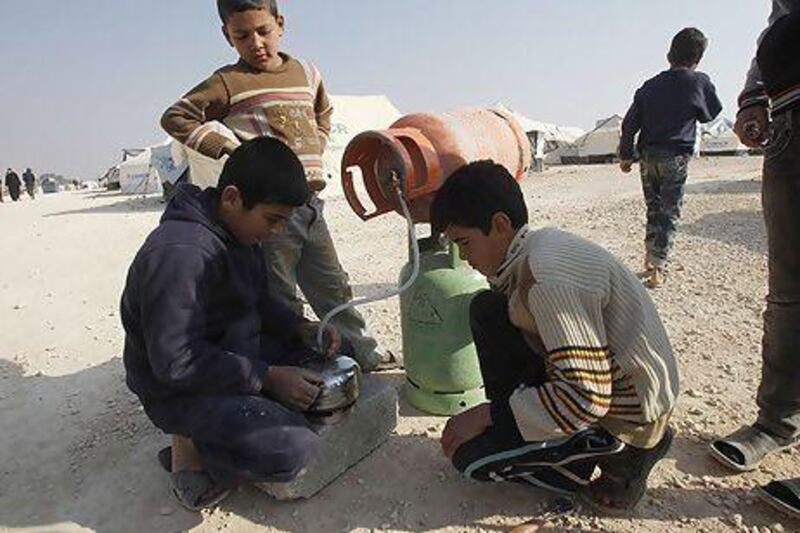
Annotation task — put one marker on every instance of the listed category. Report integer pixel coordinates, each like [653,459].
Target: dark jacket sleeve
[174,283]
[277,320]
[630,127]
[709,106]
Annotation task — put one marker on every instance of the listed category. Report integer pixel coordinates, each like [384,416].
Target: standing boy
[269,93]
[212,357]
[578,368]
[772,94]
[665,113]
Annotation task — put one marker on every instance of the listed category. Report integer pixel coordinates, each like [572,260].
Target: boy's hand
[752,126]
[331,338]
[294,387]
[626,165]
[465,427]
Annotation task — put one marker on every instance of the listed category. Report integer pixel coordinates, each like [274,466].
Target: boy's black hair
[226,7]
[266,171]
[474,193]
[687,48]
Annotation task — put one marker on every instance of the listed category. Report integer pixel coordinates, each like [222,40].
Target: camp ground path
[77,453]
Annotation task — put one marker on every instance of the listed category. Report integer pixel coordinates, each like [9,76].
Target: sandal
[194,490]
[744,449]
[623,480]
[197,490]
[165,458]
[782,495]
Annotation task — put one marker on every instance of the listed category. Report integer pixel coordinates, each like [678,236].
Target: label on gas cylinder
[422,311]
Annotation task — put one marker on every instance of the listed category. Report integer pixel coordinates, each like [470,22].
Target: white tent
[718,138]
[545,137]
[597,146]
[144,173]
[351,116]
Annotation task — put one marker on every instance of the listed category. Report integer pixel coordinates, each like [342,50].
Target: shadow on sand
[77,449]
[126,204]
[739,228]
[725,187]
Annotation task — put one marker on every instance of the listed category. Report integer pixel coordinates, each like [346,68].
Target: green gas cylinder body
[443,375]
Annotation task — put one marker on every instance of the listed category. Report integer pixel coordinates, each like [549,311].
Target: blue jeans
[663,181]
[243,438]
[779,393]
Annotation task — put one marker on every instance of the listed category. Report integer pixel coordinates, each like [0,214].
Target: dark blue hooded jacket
[195,307]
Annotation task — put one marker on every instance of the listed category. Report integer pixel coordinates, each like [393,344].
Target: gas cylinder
[422,150]
[443,376]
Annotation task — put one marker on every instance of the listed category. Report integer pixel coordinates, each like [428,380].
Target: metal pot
[339,389]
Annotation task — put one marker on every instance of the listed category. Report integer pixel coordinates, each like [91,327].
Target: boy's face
[484,253]
[256,35]
[251,226]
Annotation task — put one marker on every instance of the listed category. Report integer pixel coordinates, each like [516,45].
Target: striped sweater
[607,355]
[289,103]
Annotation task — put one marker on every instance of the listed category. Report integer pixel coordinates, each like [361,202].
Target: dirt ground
[77,453]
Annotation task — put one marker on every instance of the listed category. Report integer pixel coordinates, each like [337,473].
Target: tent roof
[551,131]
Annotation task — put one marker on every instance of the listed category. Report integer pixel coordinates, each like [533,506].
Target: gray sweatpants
[779,393]
[304,256]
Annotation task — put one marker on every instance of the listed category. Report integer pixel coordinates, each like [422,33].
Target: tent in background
[145,173]
[597,146]
[544,137]
[352,115]
[718,138]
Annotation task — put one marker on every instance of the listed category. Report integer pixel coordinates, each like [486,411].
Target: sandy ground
[77,453]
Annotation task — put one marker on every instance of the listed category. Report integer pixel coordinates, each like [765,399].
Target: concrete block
[367,426]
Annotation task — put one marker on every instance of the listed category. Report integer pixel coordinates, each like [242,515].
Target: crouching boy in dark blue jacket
[212,358]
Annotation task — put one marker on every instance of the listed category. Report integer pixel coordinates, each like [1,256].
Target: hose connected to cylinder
[412,236]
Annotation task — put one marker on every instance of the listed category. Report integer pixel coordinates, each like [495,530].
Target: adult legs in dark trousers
[778,424]
[500,453]
[305,256]
[13,191]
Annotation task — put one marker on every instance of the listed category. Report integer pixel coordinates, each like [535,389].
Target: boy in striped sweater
[578,369]
[270,93]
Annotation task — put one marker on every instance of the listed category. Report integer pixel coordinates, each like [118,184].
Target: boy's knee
[281,457]
[486,306]
[298,448]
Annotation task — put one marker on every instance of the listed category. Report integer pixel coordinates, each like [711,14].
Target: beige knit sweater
[289,103]
[608,358]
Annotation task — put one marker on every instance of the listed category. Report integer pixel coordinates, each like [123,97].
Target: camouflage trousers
[663,181]
[304,255]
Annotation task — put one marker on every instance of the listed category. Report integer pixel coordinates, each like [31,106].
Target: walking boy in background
[270,93]
[577,365]
[212,356]
[664,113]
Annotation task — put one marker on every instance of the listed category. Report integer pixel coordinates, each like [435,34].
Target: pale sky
[82,79]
